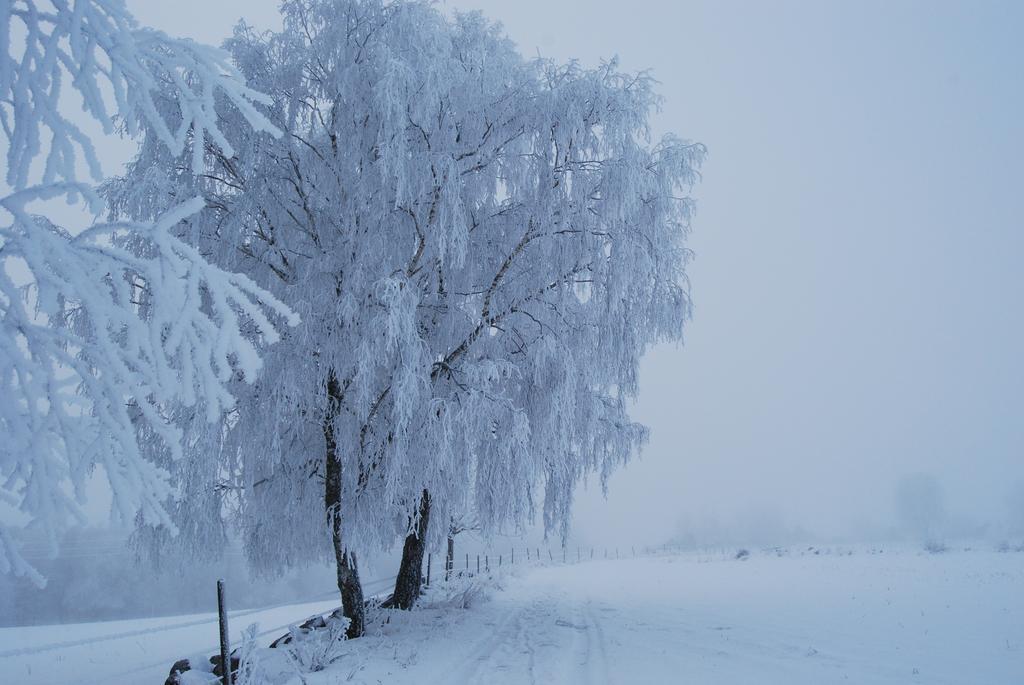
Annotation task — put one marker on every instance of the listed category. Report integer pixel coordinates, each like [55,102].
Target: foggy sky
[858,241]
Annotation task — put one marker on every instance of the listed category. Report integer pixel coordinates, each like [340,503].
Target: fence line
[483,564]
[533,554]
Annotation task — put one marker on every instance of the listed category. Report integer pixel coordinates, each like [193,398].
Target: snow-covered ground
[135,651]
[799,618]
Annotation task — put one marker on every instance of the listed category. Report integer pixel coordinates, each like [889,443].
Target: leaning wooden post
[225,648]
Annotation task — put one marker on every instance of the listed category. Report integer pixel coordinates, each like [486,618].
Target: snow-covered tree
[106,329]
[480,248]
[921,508]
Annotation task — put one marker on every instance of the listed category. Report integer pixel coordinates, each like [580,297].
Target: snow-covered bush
[462,590]
[250,670]
[316,649]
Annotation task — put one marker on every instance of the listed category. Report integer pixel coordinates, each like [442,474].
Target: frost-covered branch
[106,330]
[117,69]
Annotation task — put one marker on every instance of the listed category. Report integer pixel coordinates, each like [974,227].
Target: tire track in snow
[468,667]
[581,662]
[526,641]
[552,638]
[597,667]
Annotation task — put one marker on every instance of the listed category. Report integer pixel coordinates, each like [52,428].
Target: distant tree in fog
[1015,509]
[920,506]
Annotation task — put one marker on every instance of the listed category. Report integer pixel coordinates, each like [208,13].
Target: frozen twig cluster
[105,330]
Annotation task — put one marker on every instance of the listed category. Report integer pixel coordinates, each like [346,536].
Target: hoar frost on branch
[105,330]
[480,247]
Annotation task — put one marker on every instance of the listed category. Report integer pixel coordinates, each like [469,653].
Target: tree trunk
[348,573]
[410,573]
[449,558]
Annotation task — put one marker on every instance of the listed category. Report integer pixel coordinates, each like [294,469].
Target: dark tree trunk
[348,573]
[410,573]
[449,557]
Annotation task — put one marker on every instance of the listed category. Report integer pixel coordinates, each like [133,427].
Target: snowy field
[799,618]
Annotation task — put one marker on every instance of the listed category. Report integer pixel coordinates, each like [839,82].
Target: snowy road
[879,619]
[120,652]
[796,619]
[548,639]
[133,651]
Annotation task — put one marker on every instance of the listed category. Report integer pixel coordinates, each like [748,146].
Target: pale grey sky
[858,240]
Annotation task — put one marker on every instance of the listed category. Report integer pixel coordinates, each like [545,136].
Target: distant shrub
[743,554]
[935,547]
